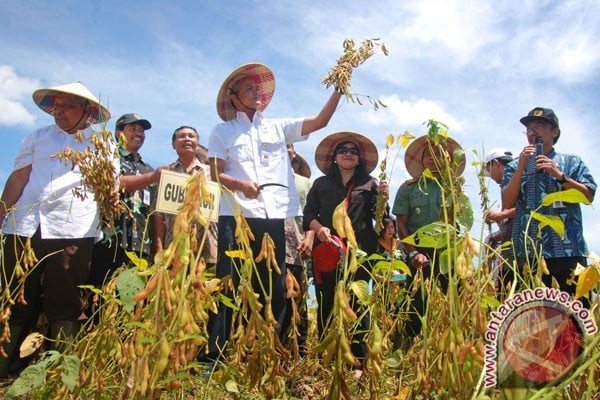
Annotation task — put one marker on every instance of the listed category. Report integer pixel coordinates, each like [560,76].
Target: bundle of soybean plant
[341,74]
[99,173]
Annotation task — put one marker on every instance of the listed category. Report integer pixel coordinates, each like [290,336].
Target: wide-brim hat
[413,159]
[262,76]
[44,98]
[303,166]
[369,155]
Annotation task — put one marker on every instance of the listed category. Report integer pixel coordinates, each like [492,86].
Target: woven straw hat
[262,76]
[44,98]
[413,158]
[369,155]
[303,166]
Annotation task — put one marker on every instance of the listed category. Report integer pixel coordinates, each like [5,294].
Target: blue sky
[478,66]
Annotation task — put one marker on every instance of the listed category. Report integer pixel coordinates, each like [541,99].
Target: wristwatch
[563,179]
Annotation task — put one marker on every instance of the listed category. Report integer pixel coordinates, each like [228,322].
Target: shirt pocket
[270,140]
[241,152]
[419,204]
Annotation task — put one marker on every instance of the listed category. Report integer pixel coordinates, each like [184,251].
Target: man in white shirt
[38,206]
[248,155]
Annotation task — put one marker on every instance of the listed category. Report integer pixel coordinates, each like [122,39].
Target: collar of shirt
[196,165]
[129,156]
[243,117]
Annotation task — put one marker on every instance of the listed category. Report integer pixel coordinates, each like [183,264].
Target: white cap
[498,152]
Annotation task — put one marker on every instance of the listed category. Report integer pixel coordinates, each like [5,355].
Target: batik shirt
[133,228]
[573,244]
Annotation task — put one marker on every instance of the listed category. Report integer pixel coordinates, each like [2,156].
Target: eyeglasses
[535,128]
[347,150]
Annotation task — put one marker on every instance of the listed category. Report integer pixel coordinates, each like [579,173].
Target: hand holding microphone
[539,146]
[539,150]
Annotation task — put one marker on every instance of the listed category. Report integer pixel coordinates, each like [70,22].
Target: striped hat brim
[262,76]
[369,156]
[413,159]
[44,99]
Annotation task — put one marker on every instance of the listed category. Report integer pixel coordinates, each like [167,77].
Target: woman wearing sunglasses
[346,159]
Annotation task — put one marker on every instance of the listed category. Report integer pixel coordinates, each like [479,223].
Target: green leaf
[393,362]
[428,174]
[466,211]
[231,386]
[361,291]
[553,221]
[138,262]
[443,262]
[374,257]
[401,266]
[430,236]
[382,267]
[70,372]
[92,288]
[31,378]
[566,196]
[129,282]
[227,301]
[490,301]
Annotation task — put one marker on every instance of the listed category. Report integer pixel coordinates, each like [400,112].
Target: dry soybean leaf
[588,279]
[32,342]
[389,141]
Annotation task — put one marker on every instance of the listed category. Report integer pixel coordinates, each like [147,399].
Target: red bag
[327,255]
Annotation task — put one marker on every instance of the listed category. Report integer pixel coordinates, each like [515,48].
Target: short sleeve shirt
[133,227]
[48,201]
[420,200]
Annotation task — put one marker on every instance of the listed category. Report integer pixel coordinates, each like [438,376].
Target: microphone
[539,146]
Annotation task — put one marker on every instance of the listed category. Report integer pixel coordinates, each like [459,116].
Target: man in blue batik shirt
[526,183]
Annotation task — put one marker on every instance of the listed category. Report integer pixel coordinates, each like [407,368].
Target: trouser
[560,269]
[105,260]
[325,292]
[221,329]
[51,286]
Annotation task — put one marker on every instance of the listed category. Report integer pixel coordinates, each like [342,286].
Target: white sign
[171,192]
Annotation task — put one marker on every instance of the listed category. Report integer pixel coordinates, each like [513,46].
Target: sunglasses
[347,150]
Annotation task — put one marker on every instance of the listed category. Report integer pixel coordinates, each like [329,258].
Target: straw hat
[262,76]
[368,152]
[44,98]
[414,154]
[303,166]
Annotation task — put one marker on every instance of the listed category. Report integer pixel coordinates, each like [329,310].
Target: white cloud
[460,28]
[13,90]
[409,114]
